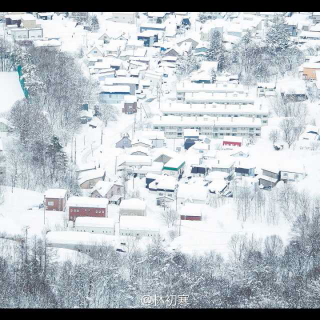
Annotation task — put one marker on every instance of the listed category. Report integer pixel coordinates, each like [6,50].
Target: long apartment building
[219,98]
[215,110]
[212,127]
[186,87]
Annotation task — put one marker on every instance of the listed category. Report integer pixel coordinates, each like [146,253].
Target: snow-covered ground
[10,90]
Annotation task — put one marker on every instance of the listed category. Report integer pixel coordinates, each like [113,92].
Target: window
[50,203]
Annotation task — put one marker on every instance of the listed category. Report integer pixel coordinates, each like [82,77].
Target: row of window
[89,210]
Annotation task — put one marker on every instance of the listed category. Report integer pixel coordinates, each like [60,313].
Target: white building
[219,98]
[185,87]
[132,207]
[138,227]
[124,17]
[95,225]
[215,110]
[213,127]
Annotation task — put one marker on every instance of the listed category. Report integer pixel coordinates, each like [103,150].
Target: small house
[56,199]
[107,189]
[199,170]
[130,104]
[87,207]
[191,211]
[244,168]
[164,186]
[269,177]
[132,207]
[124,142]
[174,167]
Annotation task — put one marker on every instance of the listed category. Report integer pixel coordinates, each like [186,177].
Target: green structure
[24,89]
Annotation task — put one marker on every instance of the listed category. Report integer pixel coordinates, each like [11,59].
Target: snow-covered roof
[153,135]
[216,175]
[164,182]
[103,187]
[191,209]
[232,139]
[188,86]
[217,185]
[92,174]
[138,149]
[88,202]
[55,193]
[130,99]
[77,238]
[132,204]
[156,167]
[138,223]
[141,140]
[10,90]
[95,222]
[219,97]
[116,89]
[121,80]
[134,160]
[192,192]
[175,162]
[212,109]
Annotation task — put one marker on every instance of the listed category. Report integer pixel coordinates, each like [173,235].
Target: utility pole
[75,150]
[44,211]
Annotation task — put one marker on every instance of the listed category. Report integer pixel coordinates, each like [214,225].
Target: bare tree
[289,133]
[169,216]
[274,135]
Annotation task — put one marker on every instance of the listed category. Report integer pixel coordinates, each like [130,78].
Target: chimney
[231,118]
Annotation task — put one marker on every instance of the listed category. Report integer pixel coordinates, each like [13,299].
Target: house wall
[124,17]
[90,183]
[115,190]
[310,73]
[113,98]
[191,218]
[132,212]
[100,230]
[124,143]
[136,233]
[20,34]
[158,143]
[230,143]
[3,127]
[55,204]
[75,212]
[130,108]
[35,33]
[290,176]
[270,174]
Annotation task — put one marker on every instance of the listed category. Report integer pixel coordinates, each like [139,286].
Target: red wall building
[191,218]
[87,207]
[55,199]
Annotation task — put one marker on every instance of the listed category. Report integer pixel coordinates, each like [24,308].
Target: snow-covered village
[159,160]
